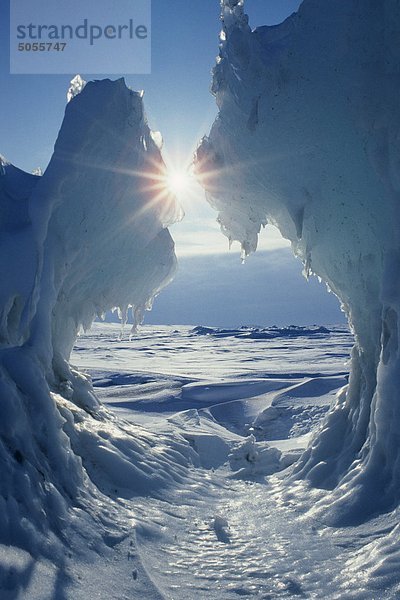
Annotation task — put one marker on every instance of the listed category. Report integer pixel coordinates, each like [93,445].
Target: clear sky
[178,103]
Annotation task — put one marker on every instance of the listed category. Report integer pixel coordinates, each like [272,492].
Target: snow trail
[214,535]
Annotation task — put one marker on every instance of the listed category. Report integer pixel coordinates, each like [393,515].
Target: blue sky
[178,103]
[268,289]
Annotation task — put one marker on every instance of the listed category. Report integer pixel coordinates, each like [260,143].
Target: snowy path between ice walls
[229,528]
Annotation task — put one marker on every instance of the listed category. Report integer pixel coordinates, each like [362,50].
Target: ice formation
[88,235]
[307,138]
[76,86]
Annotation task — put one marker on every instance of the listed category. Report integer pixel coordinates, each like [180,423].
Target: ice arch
[307,138]
[89,235]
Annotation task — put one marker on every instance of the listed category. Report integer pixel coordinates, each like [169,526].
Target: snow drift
[89,235]
[307,138]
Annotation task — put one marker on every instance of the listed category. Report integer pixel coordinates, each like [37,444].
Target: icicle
[123,316]
[138,315]
[307,271]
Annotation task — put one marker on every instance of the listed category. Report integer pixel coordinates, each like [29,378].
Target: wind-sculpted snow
[87,236]
[307,139]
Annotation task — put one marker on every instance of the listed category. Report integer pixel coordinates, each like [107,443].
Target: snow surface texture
[247,408]
[307,138]
[87,236]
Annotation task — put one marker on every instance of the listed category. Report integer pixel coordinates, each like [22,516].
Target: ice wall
[307,138]
[89,235]
[107,237]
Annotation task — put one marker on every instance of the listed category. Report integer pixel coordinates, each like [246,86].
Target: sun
[178,181]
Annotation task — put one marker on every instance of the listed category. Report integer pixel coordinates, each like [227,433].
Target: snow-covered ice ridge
[307,139]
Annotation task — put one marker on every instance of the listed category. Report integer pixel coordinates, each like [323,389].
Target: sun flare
[178,181]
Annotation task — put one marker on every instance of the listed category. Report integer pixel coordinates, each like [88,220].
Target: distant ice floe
[262,333]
